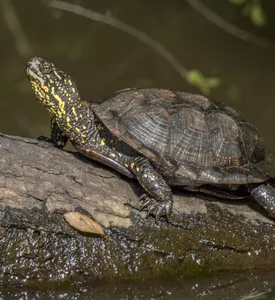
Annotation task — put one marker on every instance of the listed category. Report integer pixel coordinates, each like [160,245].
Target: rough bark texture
[39,184]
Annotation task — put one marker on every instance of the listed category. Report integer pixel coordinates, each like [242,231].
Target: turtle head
[52,87]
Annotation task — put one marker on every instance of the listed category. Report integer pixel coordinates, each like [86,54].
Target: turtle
[161,137]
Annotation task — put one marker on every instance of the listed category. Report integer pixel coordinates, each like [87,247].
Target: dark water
[233,287]
[103,59]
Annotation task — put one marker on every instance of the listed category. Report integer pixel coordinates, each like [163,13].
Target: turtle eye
[46,68]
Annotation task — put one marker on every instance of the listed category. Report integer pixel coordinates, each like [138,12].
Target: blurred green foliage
[205,84]
[252,9]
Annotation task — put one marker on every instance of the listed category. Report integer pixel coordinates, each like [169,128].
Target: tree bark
[39,184]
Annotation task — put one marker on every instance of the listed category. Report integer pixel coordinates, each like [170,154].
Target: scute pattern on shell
[212,140]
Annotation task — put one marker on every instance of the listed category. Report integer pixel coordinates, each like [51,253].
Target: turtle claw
[147,202]
[156,208]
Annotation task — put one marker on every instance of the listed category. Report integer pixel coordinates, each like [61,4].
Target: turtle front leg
[57,139]
[265,195]
[162,200]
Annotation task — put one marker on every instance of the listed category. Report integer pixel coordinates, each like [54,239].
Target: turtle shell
[198,140]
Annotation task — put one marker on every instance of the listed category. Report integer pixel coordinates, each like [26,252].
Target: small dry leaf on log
[83,223]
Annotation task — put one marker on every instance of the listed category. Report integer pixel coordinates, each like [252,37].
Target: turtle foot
[156,208]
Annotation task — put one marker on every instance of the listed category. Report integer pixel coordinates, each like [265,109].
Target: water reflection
[229,287]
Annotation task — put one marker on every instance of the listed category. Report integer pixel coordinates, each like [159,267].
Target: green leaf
[194,77]
[257,15]
[205,84]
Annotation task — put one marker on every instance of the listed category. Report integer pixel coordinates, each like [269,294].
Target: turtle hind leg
[265,195]
[161,200]
[57,139]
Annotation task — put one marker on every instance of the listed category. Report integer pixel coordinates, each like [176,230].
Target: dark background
[103,59]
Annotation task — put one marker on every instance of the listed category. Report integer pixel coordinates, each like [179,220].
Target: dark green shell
[203,141]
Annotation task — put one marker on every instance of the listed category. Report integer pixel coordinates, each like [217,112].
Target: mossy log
[39,184]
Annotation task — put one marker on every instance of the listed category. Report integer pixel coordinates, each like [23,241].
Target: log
[40,185]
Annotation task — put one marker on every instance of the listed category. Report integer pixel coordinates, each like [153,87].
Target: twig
[235,31]
[10,17]
[107,19]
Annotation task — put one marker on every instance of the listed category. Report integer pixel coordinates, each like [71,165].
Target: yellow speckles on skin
[75,114]
[57,75]
[102,142]
[61,105]
[70,82]
[145,175]
[111,141]
[132,165]
[113,154]
[68,119]
[93,140]
[137,169]
[69,125]
[83,135]
[126,165]
[45,88]
[73,89]
[99,127]
[52,111]
[84,127]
